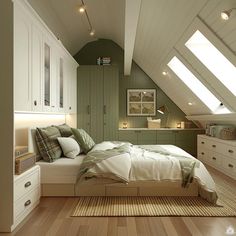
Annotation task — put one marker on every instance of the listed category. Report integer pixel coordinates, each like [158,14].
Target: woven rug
[152,206]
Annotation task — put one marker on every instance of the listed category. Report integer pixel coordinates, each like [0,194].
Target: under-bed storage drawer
[121,191]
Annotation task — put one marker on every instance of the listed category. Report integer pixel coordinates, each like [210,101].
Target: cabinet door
[61,101]
[73,90]
[47,76]
[22,60]
[111,102]
[165,137]
[83,101]
[187,140]
[96,103]
[146,137]
[37,66]
[128,136]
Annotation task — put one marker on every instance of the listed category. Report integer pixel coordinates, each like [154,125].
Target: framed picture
[141,102]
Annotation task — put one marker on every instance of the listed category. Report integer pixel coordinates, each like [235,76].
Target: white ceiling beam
[132,9]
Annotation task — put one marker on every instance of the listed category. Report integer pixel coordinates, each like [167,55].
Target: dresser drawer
[229,151]
[26,182]
[229,166]
[215,159]
[26,203]
[202,154]
[202,142]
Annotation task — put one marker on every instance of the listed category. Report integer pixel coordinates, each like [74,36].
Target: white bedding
[141,165]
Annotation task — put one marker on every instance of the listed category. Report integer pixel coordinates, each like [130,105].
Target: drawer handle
[213,158]
[213,145]
[230,165]
[27,184]
[27,203]
[202,153]
[202,142]
[230,151]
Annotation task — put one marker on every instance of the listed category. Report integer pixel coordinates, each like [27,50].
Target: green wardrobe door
[83,98]
[147,137]
[128,136]
[165,137]
[96,103]
[111,102]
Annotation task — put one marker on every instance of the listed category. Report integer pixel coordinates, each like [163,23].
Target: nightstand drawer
[26,203]
[26,182]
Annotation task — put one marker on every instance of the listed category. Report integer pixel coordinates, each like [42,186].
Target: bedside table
[26,193]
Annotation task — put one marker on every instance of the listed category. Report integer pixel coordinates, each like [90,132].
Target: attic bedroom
[118,117]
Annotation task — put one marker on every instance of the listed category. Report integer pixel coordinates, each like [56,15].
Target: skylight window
[213,59]
[196,86]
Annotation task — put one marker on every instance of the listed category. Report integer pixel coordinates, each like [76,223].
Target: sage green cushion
[65,130]
[48,145]
[84,140]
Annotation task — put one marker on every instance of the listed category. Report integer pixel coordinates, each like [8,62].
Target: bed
[133,174]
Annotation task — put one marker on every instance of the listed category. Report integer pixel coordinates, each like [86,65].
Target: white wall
[6,115]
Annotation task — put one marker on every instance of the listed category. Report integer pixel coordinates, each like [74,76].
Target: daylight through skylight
[213,59]
[195,85]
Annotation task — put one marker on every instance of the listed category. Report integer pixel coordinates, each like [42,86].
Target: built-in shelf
[160,129]
[215,117]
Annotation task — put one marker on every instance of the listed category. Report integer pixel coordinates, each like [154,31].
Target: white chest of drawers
[218,153]
[26,193]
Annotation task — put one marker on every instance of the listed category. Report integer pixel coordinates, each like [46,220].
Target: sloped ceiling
[160,26]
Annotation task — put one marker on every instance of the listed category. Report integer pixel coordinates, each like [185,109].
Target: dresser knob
[230,151]
[230,165]
[202,142]
[27,184]
[213,145]
[213,158]
[202,153]
[27,203]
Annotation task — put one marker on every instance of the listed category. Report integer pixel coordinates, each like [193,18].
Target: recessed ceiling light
[82,9]
[164,73]
[225,15]
[92,32]
[190,103]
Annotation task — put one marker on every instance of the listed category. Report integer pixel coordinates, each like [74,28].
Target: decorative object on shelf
[20,150]
[141,102]
[154,124]
[164,111]
[105,61]
[178,125]
[24,162]
[125,125]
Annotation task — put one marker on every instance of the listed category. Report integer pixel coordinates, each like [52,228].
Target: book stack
[104,61]
[24,159]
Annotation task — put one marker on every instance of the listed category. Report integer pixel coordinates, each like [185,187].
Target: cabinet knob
[53,106]
[35,102]
[230,151]
[27,203]
[202,153]
[213,145]
[230,165]
[213,158]
[202,142]
[27,184]
[69,108]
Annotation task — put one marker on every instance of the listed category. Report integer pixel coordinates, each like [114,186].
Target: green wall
[138,79]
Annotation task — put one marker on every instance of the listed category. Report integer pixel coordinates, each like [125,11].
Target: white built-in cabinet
[45,73]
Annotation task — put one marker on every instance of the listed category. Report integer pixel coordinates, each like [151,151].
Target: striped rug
[152,206]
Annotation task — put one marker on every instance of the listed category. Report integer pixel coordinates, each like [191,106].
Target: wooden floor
[52,217]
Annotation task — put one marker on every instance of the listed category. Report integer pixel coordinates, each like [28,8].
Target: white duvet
[142,165]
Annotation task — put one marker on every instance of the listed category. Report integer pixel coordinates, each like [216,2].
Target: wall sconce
[125,125]
[164,110]
[225,15]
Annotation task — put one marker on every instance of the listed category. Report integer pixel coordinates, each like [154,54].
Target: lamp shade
[161,109]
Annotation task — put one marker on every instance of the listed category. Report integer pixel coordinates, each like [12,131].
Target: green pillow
[64,129]
[84,140]
[48,145]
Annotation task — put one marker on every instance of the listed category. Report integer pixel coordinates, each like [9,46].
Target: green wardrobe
[98,101]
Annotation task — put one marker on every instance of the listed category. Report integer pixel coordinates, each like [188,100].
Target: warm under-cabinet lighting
[81,9]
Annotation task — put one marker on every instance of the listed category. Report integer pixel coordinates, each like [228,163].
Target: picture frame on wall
[141,102]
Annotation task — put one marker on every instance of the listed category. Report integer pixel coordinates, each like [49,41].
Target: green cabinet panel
[165,137]
[83,98]
[96,103]
[111,102]
[128,136]
[98,108]
[146,137]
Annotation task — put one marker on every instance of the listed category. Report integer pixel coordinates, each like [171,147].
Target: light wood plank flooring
[52,217]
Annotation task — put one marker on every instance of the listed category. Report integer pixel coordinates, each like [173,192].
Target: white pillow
[69,147]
